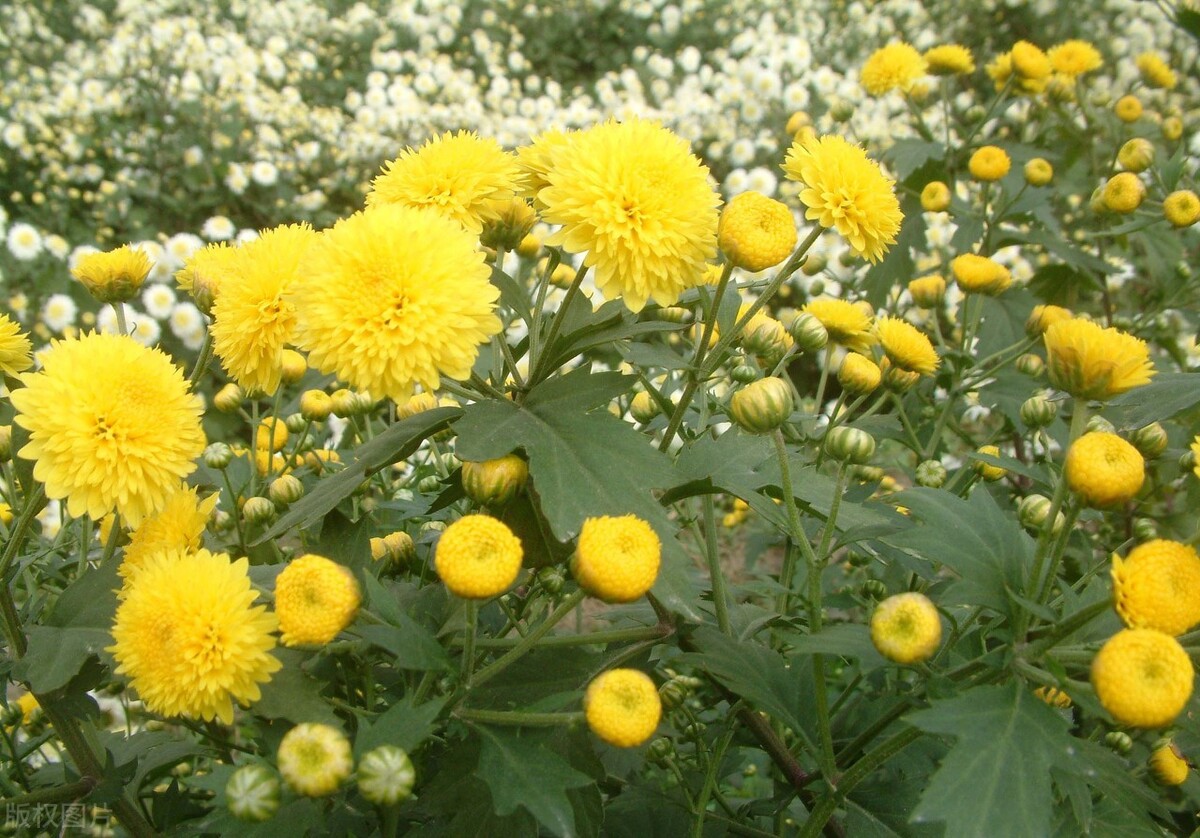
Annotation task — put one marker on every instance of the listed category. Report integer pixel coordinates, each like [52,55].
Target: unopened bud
[551,579]
[252,793]
[5,443]
[386,775]
[218,455]
[1145,529]
[315,405]
[1119,741]
[1031,365]
[643,407]
[762,406]
[1038,411]
[814,263]
[229,398]
[285,490]
[931,474]
[849,445]
[858,374]
[258,510]
[1151,440]
[874,589]
[1098,424]
[272,433]
[294,367]
[988,471]
[1033,512]
[744,374]
[495,482]
[808,332]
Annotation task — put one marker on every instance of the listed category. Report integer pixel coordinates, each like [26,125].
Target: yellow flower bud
[1128,109]
[935,197]
[315,405]
[1182,208]
[1038,172]
[762,406]
[756,232]
[928,291]
[494,482]
[858,374]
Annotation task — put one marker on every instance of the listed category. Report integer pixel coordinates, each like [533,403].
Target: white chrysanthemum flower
[59,312]
[182,245]
[143,328]
[159,301]
[24,241]
[236,179]
[218,229]
[246,235]
[264,173]
[185,320]
[57,246]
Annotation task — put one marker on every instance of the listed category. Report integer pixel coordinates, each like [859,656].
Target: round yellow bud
[797,121]
[858,374]
[272,433]
[762,406]
[1128,109]
[314,759]
[617,559]
[643,407]
[1029,62]
[293,368]
[316,405]
[756,232]
[988,471]
[622,707]
[980,275]
[849,445]
[529,247]
[1157,586]
[1168,765]
[928,291]
[1104,470]
[935,197]
[1182,208]
[1038,172]
[1043,317]
[478,557]
[989,163]
[1172,128]
[315,599]
[1136,155]
[229,398]
[494,482]
[906,628]
[115,276]
[1143,677]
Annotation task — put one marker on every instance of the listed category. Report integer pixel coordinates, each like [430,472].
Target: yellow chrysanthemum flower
[1090,361]
[858,374]
[1155,72]
[16,352]
[1168,765]
[179,525]
[1001,70]
[906,346]
[1073,58]
[1124,192]
[986,470]
[847,323]
[1103,469]
[1043,317]
[314,759]
[977,274]
[190,638]
[536,159]
[622,707]
[906,628]
[1143,677]
[989,163]
[1157,586]
[315,599]
[845,190]
[633,197]
[392,297]
[1181,208]
[115,276]
[478,557]
[112,426]
[894,67]
[617,559]
[949,60]
[462,176]
[1128,109]
[1029,61]
[756,232]
[935,197]
[1039,172]
[928,291]
[201,276]
[253,318]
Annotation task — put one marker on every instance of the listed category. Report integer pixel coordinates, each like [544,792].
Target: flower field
[599,418]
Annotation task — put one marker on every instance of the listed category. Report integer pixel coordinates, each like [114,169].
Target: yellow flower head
[928,291]
[392,297]
[617,559]
[845,190]
[935,197]
[1128,108]
[894,67]
[179,525]
[633,197]
[858,374]
[1124,192]
[980,275]
[1155,72]
[906,346]
[1143,677]
[1182,208]
[16,352]
[622,707]
[1074,58]
[253,318]
[906,628]
[756,232]
[1029,62]
[202,274]
[1038,172]
[190,638]
[989,163]
[114,276]
[1002,70]
[478,557]
[1043,317]
[462,176]
[537,159]
[315,598]
[1103,469]
[112,426]
[1168,765]
[1157,586]
[1090,361]
[848,324]
[314,759]
[949,60]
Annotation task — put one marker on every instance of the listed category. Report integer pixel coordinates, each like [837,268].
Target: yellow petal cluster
[315,599]
[949,60]
[1103,469]
[848,324]
[977,274]
[1090,361]
[15,348]
[906,628]
[906,346]
[1157,586]
[115,275]
[617,558]
[756,232]
[894,67]
[179,525]
[622,707]
[478,557]
[314,759]
[1074,58]
[1143,677]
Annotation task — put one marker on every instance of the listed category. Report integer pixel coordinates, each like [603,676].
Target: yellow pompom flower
[980,275]
[848,324]
[894,67]
[202,275]
[949,60]
[1168,765]
[179,525]
[756,232]
[928,291]
[1181,208]
[253,318]
[16,351]
[1128,109]
[112,426]
[478,557]
[622,707]
[462,176]
[1043,317]
[1103,469]
[858,374]
[1073,58]
[1157,586]
[989,163]
[1124,192]
[633,197]
[1029,61]
[1143,677]
[392,297]
[314,759]
[616,559]
[190,638]
[537,159]
[906,346]
[1038,172]
[906,628]
[315,599]
[115,276]
[1155,72]
[935,197]
[1090,361]
[846,190]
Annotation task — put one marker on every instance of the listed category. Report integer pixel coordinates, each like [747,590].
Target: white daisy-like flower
[159,300]
[218,229]
[59,312]
[264,173]
[24,241]
[144,329]
[182,245]
[185,320]
[57,246]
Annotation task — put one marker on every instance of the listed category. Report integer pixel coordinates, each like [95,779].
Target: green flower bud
[874,589]
[1136,155]
[386,775]
[551,579]
[252,793]
[285,490]
[1033,512]
[674,314]
[814,263]
[1038,411]
[5,443]
[672,694]
[429,485]
[849,445]
[1145,529]
[495,482]
[343,403]
[1119,741]
[808,332]
[258,510]
[218,455]
[841,111]
[744,374]
[229,398]
[660,750]
[1150,440]
[762,406]
[643,407]
[1031,365]
[295,423]
[1098,424]
[931,474]
[394,549]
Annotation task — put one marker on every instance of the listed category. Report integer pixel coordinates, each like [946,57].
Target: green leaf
[1189,21]
[55,655]
[411,645]
[848,640]
[405,725]
[621,331]
[996,780]
[908,155]
[294,695]
[392,445]
[90,601]
[522,773]
[1167,395]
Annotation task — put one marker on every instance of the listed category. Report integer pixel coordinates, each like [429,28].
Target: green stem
[835,504]
[122,326]
[547,351]
[1067,627]
[710,778]
[530,640]
[468,655]
[56,794]
[823,380]
[517,718]
[716,575]
[202,360]
[1056,552]
[19,529]
[543,286]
